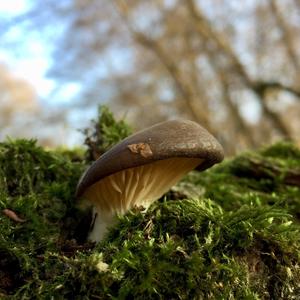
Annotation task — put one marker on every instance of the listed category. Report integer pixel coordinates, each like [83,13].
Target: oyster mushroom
[141,168]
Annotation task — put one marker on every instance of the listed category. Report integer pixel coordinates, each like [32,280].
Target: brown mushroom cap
[170,139]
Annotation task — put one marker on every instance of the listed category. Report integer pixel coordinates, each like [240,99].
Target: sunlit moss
[235,236]
[104,133]
[267,177]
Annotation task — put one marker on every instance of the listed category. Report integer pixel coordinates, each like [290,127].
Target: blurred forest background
[233,66]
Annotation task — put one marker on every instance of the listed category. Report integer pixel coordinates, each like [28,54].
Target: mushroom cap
[170,139]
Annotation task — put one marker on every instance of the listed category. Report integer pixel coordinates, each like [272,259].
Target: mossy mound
[38,186]
[233,234]
[266,177]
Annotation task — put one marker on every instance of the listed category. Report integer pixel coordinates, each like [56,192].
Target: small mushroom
[141,168]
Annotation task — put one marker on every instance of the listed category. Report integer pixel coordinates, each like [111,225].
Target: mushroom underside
[138,186]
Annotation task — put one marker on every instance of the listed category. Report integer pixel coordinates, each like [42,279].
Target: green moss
[235,236]
[27,168]
[262,178]
[283,150]
[38,186]
[105,132]
[193,248]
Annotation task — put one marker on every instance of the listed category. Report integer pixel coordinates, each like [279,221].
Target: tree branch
[183,86]
[204,28]
[261,87]
[286,35]
[238,120]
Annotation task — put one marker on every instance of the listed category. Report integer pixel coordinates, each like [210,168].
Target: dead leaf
[141,148]
[12,215]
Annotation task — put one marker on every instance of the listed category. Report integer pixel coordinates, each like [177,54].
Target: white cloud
[13,7]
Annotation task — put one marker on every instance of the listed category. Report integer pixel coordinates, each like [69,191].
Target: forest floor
[231,232]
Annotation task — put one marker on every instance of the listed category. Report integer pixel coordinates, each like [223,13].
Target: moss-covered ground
[231,232]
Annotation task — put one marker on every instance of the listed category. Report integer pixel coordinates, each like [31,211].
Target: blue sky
[28,55]
[32,60]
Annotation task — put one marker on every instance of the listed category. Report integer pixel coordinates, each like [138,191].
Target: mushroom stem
[101,223]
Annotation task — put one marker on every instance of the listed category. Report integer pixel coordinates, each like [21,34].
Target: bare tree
[201,60]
